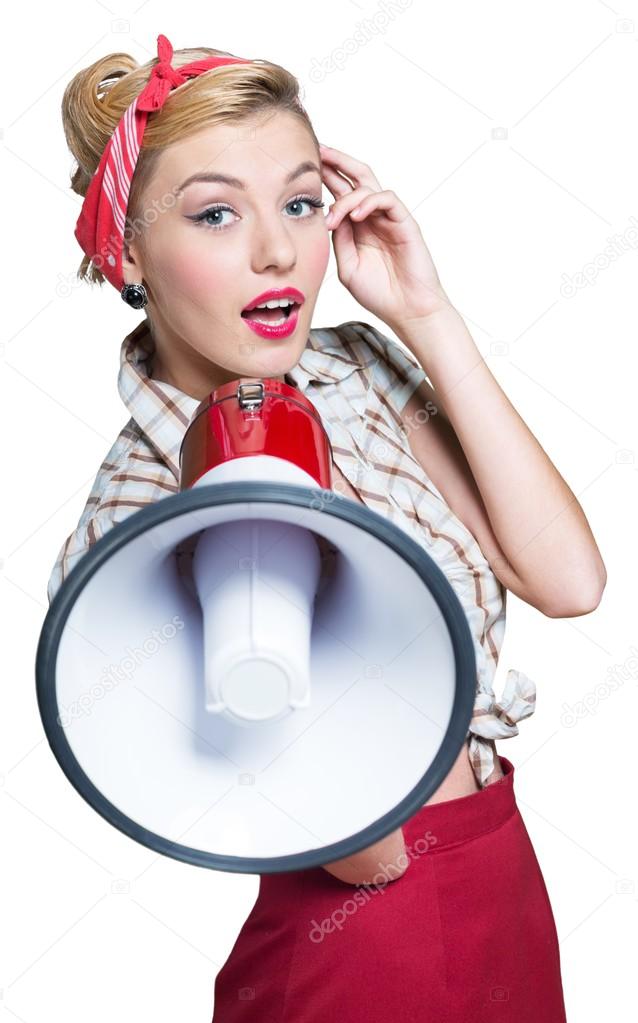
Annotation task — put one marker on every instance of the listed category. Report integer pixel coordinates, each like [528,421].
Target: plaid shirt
[359,381]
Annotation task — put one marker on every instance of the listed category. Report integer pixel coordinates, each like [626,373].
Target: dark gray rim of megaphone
[255,492]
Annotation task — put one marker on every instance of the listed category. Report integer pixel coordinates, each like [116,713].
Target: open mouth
[273,317]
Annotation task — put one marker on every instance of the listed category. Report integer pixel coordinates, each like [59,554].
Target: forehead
[261,152]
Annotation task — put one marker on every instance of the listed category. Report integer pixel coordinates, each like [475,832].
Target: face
[213,247]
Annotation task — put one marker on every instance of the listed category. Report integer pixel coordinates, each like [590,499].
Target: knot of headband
[100,226]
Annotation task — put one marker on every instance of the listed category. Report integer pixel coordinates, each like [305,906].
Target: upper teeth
[274,303]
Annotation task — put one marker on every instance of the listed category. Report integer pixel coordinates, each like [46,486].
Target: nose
[273,243]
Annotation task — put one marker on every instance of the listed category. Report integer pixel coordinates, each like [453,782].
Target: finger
[342,206]
[360,172]
[387,200]
[338,185]
[354,168]
[345,250]
[354,180]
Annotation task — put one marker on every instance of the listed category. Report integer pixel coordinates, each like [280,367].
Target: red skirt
[466,933]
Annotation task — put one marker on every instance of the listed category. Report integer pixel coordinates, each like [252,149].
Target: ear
[132,263]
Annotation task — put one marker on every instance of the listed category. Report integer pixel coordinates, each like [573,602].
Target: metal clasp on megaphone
[251,395]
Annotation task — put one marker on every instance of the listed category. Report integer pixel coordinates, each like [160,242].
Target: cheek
[190,266]
[205,280]
[316,258]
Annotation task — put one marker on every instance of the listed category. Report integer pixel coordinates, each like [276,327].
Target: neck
[188,370]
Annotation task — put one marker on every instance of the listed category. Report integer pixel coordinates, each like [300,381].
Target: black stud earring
[135,295]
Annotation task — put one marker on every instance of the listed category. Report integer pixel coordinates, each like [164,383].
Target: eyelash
[200,218]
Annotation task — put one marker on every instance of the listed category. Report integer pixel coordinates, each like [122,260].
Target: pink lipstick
[274,314]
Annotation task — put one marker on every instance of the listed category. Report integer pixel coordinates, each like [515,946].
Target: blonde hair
[97,97]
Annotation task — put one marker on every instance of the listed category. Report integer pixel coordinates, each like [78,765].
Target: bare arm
[383,861]
[539,538]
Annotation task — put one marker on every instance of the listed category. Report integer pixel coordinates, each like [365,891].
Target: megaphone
[256,674]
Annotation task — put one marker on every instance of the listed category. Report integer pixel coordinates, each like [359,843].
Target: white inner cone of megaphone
[257,620]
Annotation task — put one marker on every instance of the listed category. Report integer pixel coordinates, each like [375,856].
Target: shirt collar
[163,412]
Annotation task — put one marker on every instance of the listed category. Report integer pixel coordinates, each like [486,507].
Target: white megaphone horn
[256,674]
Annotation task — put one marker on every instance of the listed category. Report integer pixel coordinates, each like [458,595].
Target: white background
[509,130]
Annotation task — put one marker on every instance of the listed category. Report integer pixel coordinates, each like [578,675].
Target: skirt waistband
[458,820]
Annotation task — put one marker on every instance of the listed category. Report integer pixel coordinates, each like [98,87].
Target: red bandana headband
[100,226]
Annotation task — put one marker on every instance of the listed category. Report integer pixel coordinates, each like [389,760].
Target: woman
[219,173]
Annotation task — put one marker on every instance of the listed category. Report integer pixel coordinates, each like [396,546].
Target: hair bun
[92,105]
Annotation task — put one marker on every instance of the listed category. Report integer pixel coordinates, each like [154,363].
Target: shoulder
[130,476]
[396,372]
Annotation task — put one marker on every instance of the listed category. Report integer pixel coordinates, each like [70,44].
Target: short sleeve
[397,373]
[73,548]
[130,477]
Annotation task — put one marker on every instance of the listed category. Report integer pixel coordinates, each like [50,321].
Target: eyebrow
[226,179]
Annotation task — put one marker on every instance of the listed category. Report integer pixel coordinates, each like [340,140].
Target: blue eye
[202,218]
[310,199]
[217,208]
